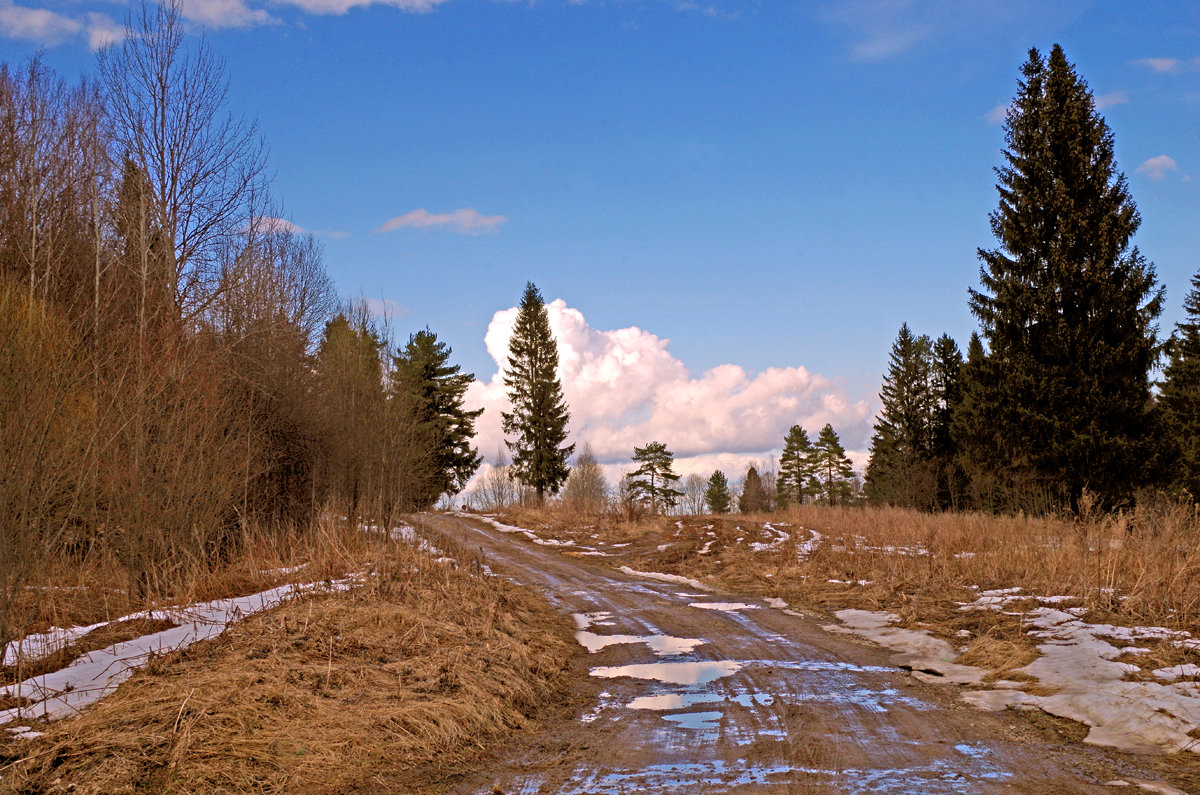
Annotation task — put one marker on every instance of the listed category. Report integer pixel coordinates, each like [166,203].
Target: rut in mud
[707,693]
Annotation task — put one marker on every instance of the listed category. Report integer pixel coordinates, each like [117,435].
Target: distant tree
[753,498]
[1067,307]
[586,490]
[835,471]
[901,470]
[797,472]
[423,372]
[1180,396]
[946,386]
[654,476]
[497,489]
[693,493]
[973,432]
[628,495]
[716,496]
[539,413]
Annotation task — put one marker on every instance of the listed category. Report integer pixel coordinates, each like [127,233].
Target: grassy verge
[393,686]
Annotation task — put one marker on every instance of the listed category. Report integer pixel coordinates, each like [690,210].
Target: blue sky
[765,184]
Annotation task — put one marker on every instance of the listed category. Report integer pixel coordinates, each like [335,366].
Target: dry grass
[389,687]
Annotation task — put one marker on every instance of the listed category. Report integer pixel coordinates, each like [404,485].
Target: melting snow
[930,658]
[671,578]
[724,607]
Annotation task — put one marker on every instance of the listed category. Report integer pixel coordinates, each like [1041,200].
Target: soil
[769,703]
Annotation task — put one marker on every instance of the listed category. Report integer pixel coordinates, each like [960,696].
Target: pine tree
[422,372]
[901,470]
[539,414]
[797,472]
[716,496]
[1066,306]
[945,381]
[753,498]
[653,478]
[1180,398]
[833,467]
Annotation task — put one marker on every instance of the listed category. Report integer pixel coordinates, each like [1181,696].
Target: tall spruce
[1066,306]
[946,383]
[797,480]
[539,413]
[901,470]
[653,478]
[753,498]
[835,473]
[422,372]
[717,496]
[1180,398]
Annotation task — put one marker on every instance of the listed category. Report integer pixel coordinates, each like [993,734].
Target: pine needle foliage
[653,478]
[1066,306]
[797,480]
[753,498]
[834,469]
[717,496]
[1180,397]
[539,413]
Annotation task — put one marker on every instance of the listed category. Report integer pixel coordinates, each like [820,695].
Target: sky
[731,207]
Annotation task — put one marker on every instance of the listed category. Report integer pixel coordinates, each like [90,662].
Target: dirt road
[702,692]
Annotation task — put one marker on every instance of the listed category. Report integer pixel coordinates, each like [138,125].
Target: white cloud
[465,221]
[343,6]
[625,388]
[997,114]
[1162,65]
[36,24]
[225,13]
[1157,167]
[102,31]
[1110,99]
[269,225]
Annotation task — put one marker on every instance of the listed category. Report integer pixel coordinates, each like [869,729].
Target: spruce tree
[945,381]
[901,470]
[753,498]
[797,472]
[422,372]
[834,469]
[1180,398]
[716,496]
[1066,306]
[539,413]
[653,478]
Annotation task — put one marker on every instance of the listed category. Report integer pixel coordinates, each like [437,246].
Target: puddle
[665,701]
[672,673]
[662,645]
[598,619]
[724,607]
[694,720]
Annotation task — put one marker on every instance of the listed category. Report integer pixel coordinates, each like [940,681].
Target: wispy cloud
[343,6]
[269,225]
[385,308]
[997,114]
[1157,167]
[36,24]
[466,221]
[225,13]
[1110,99]
[1162,65]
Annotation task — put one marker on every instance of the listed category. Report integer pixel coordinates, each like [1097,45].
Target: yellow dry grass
[389,687]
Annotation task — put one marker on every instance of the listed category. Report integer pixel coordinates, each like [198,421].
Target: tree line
[1054,399]
[175,365]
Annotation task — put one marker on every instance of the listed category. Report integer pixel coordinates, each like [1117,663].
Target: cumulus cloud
[465,221]
[1157,167]
[625,388]
[225,13]
[36,24]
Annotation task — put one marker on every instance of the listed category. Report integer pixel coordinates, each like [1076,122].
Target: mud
[757,700]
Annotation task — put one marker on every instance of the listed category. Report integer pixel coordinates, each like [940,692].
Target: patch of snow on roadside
[930,658]
[96,674]
[724,607]
[775,602]
[780,538]
[805,548]
[1091,688]
[671,578]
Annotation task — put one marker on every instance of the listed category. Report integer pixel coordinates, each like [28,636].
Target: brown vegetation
[393,686]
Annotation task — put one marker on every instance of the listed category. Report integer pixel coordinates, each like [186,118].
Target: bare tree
[586,490]
[694,487]
[204,169]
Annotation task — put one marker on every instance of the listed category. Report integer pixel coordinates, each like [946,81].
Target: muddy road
[703,692]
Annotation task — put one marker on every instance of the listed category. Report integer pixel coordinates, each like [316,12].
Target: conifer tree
[833,467]
[1066,306]
[945,381]
[797,471]
[653,478]
[716,496]
[1180,398]
[753,498]
[539,413]
[422,372]
[901,471]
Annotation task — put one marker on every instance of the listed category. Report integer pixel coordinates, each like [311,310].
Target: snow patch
[660,577]
[930,658]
